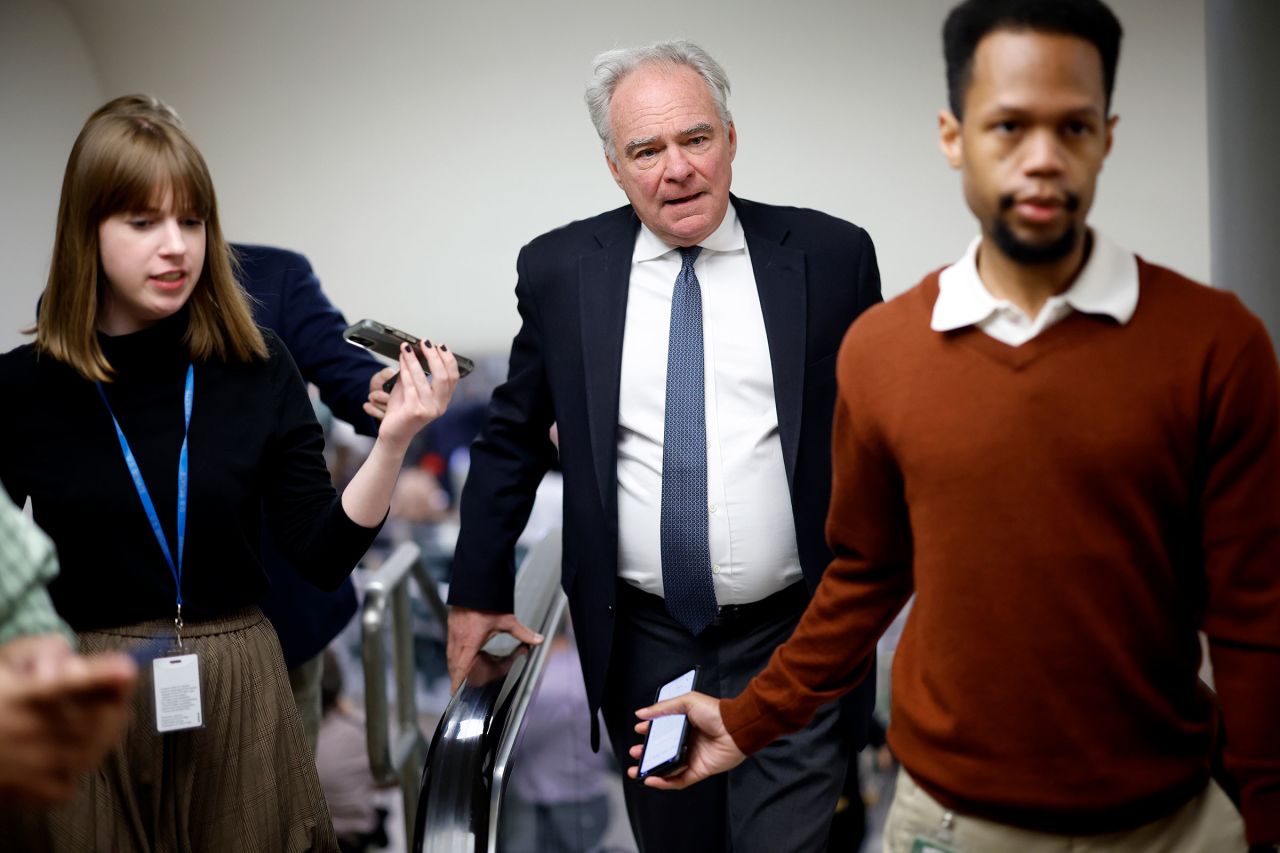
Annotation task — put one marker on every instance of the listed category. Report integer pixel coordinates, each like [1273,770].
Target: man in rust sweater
[1072,457]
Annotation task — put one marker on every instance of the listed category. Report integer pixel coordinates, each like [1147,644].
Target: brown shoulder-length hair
[130,151]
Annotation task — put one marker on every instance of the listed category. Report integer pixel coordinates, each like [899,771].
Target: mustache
[1070,202]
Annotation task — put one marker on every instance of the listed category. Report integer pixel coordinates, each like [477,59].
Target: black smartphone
[381,339]
[667,742]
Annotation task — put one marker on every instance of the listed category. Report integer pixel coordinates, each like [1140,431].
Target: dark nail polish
[444,348]
[427,344]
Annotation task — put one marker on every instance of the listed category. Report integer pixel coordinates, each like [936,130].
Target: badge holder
[177,685]
[941,840]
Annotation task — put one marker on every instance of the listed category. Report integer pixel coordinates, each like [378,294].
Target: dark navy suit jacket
[287,300]
[814,274]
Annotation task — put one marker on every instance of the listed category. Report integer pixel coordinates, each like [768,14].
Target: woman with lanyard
[153,425]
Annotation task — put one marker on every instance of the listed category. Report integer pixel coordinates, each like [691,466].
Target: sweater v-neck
[1071,330]
[1075,328]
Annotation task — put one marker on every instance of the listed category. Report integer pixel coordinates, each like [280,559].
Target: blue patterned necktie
[686,556]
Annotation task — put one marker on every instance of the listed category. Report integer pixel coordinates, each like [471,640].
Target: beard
[1022,252]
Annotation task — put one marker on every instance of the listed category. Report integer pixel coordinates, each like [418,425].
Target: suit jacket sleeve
[311,328]
[868,274]
[508,460]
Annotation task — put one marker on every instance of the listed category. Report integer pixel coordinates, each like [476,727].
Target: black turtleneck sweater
[254,448]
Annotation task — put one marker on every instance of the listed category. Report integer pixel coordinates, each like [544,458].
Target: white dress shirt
[751,533]
[1108,284]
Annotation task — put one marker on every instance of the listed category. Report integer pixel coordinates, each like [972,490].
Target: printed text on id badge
[177,682]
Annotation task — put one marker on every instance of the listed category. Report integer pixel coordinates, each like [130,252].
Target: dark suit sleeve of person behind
[509,458]
[286,298]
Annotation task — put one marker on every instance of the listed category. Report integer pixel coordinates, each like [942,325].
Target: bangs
[150,160]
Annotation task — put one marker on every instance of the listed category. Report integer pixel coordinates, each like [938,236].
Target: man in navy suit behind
[287,299]
[685,346]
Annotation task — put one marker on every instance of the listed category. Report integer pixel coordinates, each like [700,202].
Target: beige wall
[411,149]
[48,86]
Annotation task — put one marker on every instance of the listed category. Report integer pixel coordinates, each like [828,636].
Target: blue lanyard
[176,568]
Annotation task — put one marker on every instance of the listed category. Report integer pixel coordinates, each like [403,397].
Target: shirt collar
[728,237]
[1108,284]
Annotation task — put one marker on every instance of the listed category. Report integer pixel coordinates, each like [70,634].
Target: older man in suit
[685,346]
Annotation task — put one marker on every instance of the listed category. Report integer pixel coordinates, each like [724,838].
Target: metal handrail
[386,590]
[466,769]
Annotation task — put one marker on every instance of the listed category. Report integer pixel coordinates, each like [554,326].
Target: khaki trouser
[1209,823]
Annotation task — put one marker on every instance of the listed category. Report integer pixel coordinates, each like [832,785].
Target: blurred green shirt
[27,563]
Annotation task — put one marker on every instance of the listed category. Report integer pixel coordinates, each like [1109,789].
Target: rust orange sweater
[1069,513]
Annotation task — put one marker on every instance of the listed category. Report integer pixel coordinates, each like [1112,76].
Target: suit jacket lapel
[780,280]
[603,280]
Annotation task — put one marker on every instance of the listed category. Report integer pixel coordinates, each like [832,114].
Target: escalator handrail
[380,589]
[523,694]
[469,757]
[386,603]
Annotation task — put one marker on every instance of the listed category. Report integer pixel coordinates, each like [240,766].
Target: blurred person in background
[342,759]
[556,799]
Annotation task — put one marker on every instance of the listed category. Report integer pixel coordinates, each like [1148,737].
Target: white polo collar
[1108,285]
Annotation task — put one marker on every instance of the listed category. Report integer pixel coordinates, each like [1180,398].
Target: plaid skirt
[246,781]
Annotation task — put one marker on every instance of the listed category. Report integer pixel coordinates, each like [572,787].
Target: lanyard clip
[177,626]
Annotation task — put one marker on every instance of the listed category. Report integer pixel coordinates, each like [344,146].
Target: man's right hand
[712,749]
[470,629]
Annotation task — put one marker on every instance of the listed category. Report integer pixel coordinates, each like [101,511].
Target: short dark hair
[973,20]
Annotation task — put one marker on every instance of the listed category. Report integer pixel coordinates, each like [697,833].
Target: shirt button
[715,570]
[712,507]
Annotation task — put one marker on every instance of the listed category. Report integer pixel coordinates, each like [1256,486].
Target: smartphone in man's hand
[667,743]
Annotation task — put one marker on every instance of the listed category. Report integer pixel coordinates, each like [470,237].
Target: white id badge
[177,693]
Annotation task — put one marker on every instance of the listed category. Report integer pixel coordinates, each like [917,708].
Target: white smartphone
[668,740]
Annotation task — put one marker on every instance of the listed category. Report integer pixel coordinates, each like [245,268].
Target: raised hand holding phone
[386,342]
[417,401]
[413,404]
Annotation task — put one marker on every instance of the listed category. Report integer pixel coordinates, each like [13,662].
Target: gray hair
[613,65]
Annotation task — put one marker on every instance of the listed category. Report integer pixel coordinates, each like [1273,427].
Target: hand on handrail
[470,629]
